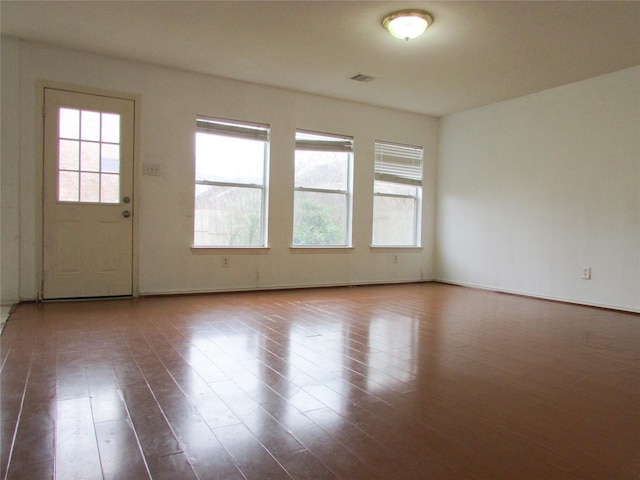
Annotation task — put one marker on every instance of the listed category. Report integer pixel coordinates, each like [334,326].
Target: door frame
[39,201]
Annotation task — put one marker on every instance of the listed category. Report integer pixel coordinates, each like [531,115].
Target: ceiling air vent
[361,77]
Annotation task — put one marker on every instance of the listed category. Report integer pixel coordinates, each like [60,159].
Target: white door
[88,195]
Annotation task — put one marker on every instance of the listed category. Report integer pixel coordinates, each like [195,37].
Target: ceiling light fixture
[407,24]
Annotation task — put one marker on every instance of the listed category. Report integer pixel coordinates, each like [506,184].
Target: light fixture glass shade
[407,24]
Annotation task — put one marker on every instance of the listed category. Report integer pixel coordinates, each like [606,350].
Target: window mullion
[321,190]
[228,184]
[394,195]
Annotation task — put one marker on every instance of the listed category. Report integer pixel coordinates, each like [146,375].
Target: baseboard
[539,297]
[274,288]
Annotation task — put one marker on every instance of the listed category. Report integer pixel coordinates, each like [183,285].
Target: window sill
[317,249]
[202,250]
[395,248]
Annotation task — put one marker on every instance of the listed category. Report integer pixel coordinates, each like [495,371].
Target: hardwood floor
[419,381]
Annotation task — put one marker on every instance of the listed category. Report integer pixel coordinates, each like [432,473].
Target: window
[322,197]
[231,183]
[88,156]
[397,195]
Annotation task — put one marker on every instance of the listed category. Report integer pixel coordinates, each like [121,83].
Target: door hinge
[44,110]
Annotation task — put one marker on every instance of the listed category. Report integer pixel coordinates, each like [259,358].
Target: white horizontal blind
[323,142]
[229,128]
[398,163]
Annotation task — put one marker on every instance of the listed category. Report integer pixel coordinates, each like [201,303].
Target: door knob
[126,214]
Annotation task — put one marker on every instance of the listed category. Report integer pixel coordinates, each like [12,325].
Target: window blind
[323,142]
[229,128]
[398,163]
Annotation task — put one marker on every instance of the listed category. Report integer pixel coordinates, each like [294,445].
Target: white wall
[170,101]
[9,173]
[533,189]
[529,190]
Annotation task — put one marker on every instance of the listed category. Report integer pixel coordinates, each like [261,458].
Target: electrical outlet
[225,262]
[586,273]
[395,258]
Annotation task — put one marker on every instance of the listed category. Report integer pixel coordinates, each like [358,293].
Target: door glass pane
[90,128]
[69,186]
[111,127]
[69,155]
[90,157]
[89,187]
[109,188]
[110,158]
[69,126]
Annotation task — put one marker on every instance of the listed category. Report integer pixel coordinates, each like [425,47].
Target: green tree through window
[317,225]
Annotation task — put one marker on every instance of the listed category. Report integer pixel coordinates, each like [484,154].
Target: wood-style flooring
[417,381]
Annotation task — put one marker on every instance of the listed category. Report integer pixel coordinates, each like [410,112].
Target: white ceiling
[475,53]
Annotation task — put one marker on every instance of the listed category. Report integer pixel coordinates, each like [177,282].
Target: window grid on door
[88,156]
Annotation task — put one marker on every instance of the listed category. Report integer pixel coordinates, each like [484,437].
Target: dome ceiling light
[407,24]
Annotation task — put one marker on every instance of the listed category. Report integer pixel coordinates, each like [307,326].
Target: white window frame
[246,130]
[329,143]
[403,165]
